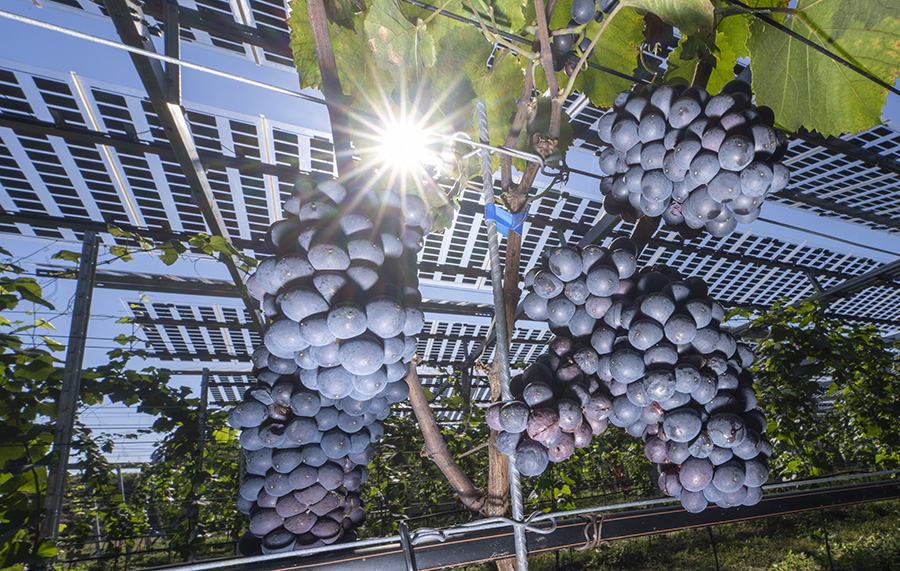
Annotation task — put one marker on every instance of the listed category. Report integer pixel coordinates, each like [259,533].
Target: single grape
[583,11]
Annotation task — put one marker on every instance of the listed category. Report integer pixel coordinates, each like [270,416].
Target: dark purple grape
[514,417]
[583,434]
[736,152]
[605,125]
[264,521]
[693,502]
[730,476]
[563,449]
[623,412]
[656,187]
[300,523]
[683,112]
[637,394]
[756,473]
[724,187]
[719,105]
[696,474]
[560,310]
[685,151]
[537,394]
[624,133]
[507,442]
[599,407]
[542,424]
[547,285]
[669,484]
[672,170]
[581,324]
[682,425]
[602,280]
[659,384]
[652,126]
[531,458]
[705,166]
[756,179]
[576,291]
[535,307]
[565,263]
[246,414]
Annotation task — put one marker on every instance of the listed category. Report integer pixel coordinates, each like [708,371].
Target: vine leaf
[806,88]
[618,50]
[688,16]
[356,68]
[462,75]
[731,43]
[397,44]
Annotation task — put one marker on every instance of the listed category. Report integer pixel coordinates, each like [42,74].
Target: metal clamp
[407,546]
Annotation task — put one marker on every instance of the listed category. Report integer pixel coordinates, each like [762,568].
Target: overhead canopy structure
[78,153]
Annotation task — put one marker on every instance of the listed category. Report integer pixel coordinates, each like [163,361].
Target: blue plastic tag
[506,221]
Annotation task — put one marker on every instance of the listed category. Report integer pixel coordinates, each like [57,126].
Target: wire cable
[160,57]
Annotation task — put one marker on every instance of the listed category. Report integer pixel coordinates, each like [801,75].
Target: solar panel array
[48,177]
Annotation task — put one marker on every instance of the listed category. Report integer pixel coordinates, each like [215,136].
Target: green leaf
[806,88]
[461,75]
[731,43]
[687,15]
[617,49]
[121,252]
[398,45]
[67,255]
[356,69]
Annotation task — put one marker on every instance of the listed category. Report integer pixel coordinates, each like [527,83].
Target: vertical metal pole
[502,344]
[71,385]
[124,503]
[198,462]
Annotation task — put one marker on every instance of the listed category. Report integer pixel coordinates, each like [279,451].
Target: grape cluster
[642,350]
[699,161]
[556,409]
[342,313]
[562,46]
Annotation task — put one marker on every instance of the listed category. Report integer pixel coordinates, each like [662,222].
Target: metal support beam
[174,122]
[172,30]
[600,230]
[71,386]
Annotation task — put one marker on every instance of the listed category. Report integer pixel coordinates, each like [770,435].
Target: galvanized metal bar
[71,386]
[502,327]
[172,31]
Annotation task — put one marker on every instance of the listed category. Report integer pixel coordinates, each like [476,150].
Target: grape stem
[424,22]
[644,229]
[435,447]
[547,64]
[523,106]
[570,85]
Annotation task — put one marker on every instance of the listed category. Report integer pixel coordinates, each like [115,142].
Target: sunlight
[405,146]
